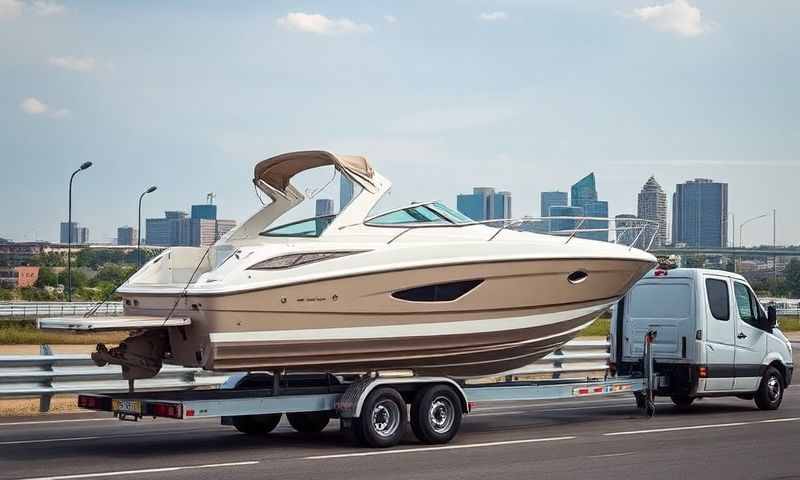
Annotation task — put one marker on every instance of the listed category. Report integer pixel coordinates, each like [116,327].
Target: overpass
[736,251]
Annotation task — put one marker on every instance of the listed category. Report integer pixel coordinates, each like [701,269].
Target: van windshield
[661,300]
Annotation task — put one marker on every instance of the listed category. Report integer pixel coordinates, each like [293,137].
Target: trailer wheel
[257,424]
[436,414]
[308,422]
[682,401]
[383,418]
[770,393]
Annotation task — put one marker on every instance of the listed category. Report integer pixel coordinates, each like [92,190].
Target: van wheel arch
[781,368]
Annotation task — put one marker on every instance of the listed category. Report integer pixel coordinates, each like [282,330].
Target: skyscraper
[652,205]
[127,236]
[700,213]
[584,195]
[345,191]
[485,204]
[324,207]
[177,229]
[80,235]
[564,225]
[625,230]
[552,199]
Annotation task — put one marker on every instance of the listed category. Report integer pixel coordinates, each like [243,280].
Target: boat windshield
[426,213]
[310,227]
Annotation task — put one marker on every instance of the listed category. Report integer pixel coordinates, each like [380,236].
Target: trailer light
[190,413]
[702,372]
[166,410]
[472,406]
[86,402]
[661,273]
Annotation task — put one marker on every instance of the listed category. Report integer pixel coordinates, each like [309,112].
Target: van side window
[718,298]
[746,311]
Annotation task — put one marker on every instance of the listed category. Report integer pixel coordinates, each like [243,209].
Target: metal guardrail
[32,310]
[46,374]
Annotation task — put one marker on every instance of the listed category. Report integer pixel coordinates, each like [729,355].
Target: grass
[21,333]
[789,324]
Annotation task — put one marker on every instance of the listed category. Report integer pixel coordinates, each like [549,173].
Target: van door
[665,305]
[719,344]
[751,340]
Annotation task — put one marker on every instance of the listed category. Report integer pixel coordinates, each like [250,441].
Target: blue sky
[440,96]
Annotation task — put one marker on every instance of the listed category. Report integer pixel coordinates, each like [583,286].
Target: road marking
[433,449]
[144,471]
[69,439]
[44,422]
[608,455]
[495,414]
[700,427]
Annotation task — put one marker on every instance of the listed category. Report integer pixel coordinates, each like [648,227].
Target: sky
[441,96]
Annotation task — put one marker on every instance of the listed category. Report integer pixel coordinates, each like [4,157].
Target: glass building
[484,204]
[584,195]
[205,211]
[564,224]
[700,213]
[552,199]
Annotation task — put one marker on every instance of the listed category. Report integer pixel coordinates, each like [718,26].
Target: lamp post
[139,231]
[83,166]
[741,225]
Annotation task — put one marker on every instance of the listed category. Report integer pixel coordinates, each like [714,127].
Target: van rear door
[663,304]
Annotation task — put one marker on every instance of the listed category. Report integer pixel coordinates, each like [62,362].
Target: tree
[6,294]
[792,276]
[47,278]
[49,259]
[695,261]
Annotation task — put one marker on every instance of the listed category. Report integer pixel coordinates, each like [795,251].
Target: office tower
[564,226]
[127,236]
[626,230]
[700,213]
[652,205]
[584,195]
[552,199]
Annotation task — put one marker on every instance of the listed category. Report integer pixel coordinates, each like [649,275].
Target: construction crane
[210,198]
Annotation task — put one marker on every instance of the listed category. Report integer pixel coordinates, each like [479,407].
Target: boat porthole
[577,277]
[283,299]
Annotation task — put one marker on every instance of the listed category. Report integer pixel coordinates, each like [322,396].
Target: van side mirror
[772,317]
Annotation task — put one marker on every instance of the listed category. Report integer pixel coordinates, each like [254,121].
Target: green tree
[49,259]
[792,276]
[6,294]
[695,261]
[47,278]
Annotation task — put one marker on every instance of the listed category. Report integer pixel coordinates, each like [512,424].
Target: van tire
[770,392]
[682,401]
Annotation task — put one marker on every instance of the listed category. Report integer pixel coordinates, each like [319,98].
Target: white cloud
[78,64]
[390,18]
[10,9]
[34,106]
[320,24]
[45,8]
[678,17]
[493,16]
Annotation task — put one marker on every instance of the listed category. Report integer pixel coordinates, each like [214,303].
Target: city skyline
[439,100]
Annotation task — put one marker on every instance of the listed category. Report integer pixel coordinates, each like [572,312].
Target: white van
[713,337]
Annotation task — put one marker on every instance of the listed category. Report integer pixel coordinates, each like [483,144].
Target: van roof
[692,273]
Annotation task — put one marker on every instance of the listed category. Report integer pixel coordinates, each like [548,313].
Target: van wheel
[682,401]
[308,422]
[770,393]
[257,424]
[383,418]
[436,414]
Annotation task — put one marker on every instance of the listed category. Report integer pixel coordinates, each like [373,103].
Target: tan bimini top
[277,171]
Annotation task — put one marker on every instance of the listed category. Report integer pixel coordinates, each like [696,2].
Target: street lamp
[83,166]
[139,231]
[741,225]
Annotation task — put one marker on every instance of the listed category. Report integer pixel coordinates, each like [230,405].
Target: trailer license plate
[130,407]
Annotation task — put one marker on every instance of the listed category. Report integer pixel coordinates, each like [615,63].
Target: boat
[421,288]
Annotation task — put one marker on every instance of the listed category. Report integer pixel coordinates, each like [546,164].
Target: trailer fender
[352,400]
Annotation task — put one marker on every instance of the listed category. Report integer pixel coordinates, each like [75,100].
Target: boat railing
[633,232]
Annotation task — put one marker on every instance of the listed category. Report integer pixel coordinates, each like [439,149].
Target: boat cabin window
[417,214]
[310,227]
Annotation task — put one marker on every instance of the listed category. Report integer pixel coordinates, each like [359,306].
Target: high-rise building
[584,195]
[165,231]
[484,204]
[700,213]
[323,207]
[177,229]
[652,205]
[501,205]
[80,235]
[564,225]
[127,236]
[346,190]
[207,211]
[552,199]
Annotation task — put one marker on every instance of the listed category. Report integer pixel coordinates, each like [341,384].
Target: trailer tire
[257,424]
[383,419]
[308,422]
[682,402]
[770,392]
[436,414]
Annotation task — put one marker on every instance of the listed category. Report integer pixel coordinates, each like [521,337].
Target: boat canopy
[277,171]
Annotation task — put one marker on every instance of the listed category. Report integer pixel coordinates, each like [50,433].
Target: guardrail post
[44,399]
[557,362]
